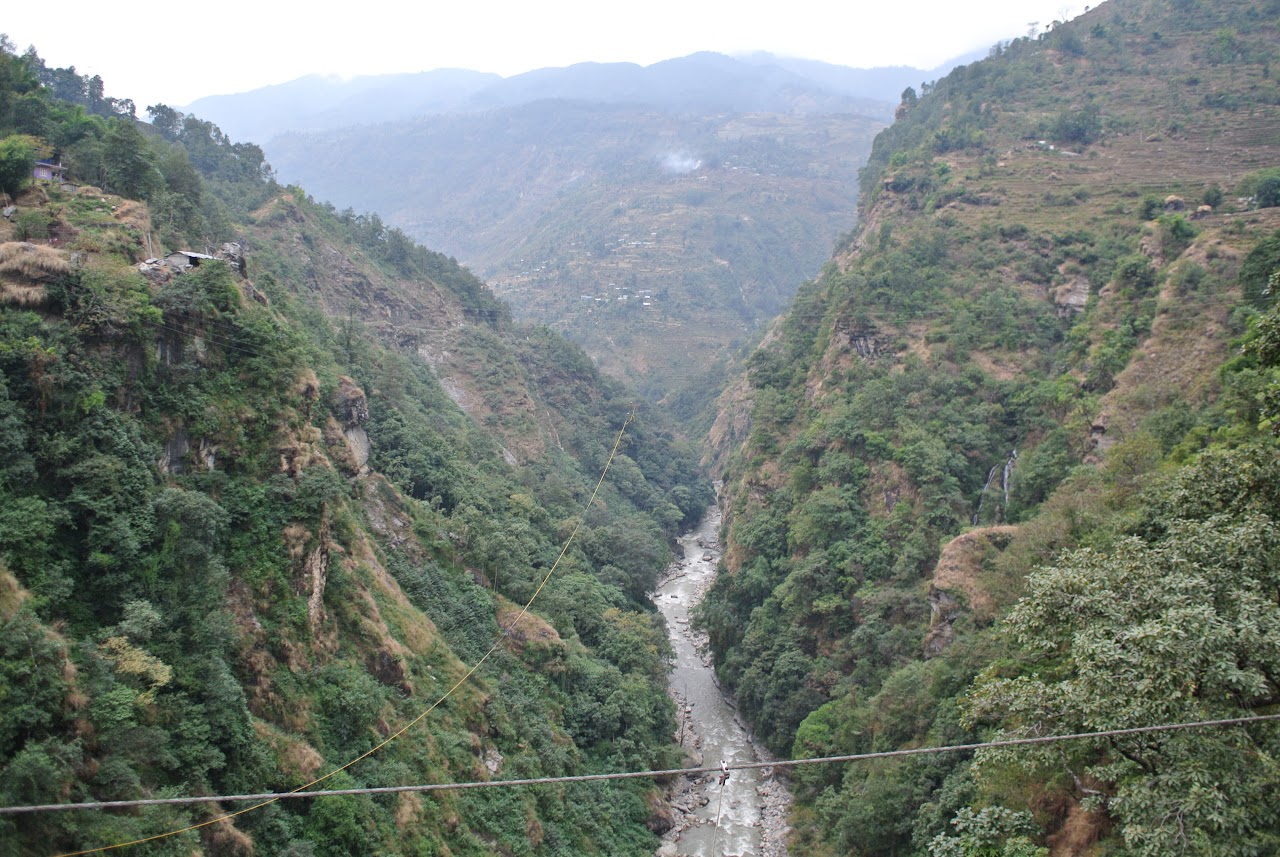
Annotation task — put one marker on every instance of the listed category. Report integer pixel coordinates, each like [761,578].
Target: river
[752,806]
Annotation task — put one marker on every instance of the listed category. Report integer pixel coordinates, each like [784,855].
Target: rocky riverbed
[752,806]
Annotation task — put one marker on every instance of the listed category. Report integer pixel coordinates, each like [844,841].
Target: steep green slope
[247,531]
[1033,274]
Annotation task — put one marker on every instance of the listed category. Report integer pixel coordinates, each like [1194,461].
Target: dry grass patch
[999,365]
[24,268]
[525,630]
[961,564]
[133,214]
[33,262]
[12,595]
[16,294]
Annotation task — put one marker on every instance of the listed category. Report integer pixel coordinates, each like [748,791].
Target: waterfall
[983,496]
[1005,473]
[1008,469]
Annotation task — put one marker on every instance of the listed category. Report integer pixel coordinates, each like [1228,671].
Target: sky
[174,51]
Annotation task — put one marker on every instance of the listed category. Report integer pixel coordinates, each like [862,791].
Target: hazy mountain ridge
[315,103]
[700,83]
[718,182]
[705,82]
[884,83]
[559,199]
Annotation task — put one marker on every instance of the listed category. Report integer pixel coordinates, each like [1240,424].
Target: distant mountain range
[316,103]
[701,83]
[658,215]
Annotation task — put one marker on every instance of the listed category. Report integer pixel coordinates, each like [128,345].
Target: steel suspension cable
[632,775]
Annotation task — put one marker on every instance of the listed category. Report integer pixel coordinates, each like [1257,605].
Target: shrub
[1268,193]
[1081,126]
[1135,272]
[1176,234]
[1263,186]
[1258,267]
[32,224]
[17,156]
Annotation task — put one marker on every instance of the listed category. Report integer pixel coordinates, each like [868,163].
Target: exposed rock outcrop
[315,574]
[732,425]
[1071,296]
[233,254]
[859,339]
[944,609]
[173,460]
[353,411]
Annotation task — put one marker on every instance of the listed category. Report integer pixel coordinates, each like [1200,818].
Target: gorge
[1004,466]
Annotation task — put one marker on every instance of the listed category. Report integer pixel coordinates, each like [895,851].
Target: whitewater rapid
[753,804]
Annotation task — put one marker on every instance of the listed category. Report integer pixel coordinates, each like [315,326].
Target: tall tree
[17,156]
[126,161]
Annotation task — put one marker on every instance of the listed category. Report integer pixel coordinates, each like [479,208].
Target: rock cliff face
[457,338]
[353,410]
[732,425]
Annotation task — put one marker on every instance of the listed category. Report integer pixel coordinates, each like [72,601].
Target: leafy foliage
[1175,629]
[17,157]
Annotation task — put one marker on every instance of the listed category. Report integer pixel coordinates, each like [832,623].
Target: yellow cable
[523,612]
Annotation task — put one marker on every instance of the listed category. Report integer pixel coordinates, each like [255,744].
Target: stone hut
[182,260]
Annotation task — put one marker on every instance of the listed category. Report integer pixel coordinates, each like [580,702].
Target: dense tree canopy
[1181,629]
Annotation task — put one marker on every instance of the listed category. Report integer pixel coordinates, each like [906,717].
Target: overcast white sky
[174,51]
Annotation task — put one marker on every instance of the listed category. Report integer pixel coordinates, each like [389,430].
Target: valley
[990,395]
[656,241]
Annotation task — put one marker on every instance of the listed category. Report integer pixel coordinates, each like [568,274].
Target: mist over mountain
[699,82]
[316,102]
[656,240]
[701,189]
[617,202]
[883,83]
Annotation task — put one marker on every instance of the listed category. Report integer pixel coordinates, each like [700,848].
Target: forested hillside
[262,506]
[1009,466]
